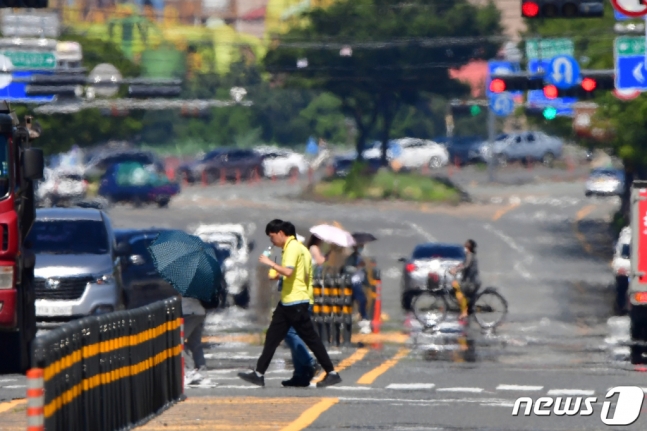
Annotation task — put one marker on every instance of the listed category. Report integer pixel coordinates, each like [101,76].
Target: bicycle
[487,306]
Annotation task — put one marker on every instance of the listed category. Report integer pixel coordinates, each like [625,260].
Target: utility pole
[490,131]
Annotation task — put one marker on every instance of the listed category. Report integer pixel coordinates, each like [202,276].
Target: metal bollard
[327,309]
[35,400]
[348,309]
[317,308]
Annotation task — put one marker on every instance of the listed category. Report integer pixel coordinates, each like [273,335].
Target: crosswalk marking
[411,386]
[518,388]
[472,390]
[583,392]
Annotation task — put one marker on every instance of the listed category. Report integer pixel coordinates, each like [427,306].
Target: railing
[107,372]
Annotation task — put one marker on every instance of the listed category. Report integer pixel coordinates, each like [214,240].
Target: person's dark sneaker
[253,378]
[296,382]
[329,380]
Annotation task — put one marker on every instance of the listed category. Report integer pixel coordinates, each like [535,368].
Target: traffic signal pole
[490,131]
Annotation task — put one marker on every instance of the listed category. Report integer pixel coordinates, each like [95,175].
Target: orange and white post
[35,400]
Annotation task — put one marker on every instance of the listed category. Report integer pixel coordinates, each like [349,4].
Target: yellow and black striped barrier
[110,372]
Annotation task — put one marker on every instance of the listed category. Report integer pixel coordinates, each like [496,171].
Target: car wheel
[163,202]
[293,172]
[588,194]
[407,299]
[502,160]
[435,162]
[548,160]
[212,176]
[137,202]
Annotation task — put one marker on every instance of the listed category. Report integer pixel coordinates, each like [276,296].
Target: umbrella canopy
[363,237]
[333,235]
[187,263]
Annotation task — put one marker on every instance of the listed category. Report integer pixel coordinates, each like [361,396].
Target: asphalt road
[544,245]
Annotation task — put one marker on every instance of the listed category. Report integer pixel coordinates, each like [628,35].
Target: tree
[379,55]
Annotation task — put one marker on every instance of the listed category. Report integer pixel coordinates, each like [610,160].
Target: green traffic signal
[475,110]
[550,113]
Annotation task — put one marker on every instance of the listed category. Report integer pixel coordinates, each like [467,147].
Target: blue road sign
[502,104]
[15,91]
[500,68]
[620,16]
[563,71]
[536,98]
[631,73]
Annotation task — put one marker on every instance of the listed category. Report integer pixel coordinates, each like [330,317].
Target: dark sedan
[131,182]
[142,282]
[223,163]
[342,165]
[426,258]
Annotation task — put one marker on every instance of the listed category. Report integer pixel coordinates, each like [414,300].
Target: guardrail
[107,372]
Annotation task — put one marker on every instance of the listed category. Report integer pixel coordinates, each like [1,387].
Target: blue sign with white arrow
[563,71]
[502,104]
[631,73]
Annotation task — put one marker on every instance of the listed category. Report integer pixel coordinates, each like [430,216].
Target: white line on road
[429,237]
[583,392]
[518,388]
[411,386]
[472,390]
[347,388]
[8,380]
[14,387]
[423,402]
[237,387]
[518,266]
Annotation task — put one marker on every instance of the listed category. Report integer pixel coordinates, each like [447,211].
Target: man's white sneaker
[364,326]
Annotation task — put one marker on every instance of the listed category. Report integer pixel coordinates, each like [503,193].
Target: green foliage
[97,51]
[387,185]
[629,123]
[375,82]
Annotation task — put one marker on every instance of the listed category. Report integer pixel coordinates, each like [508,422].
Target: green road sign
[548,48]
[550,113]
[627,45]
[31,60]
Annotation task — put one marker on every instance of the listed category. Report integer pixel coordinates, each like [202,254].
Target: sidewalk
[240,413]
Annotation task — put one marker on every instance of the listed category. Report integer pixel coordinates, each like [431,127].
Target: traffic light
[592,82]
[548,113]
[562,8]
[470,108]
[515,82]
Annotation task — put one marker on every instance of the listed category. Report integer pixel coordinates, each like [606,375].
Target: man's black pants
[298,317]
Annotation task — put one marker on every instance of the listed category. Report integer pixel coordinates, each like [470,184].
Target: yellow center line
[309,416]
[500,213]
[579,235]
[8,405]
[355,357]
[370,377]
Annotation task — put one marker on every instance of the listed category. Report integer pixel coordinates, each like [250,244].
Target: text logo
[627,409]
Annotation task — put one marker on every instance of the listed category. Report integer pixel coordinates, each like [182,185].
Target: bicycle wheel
[490,308]
[429,308]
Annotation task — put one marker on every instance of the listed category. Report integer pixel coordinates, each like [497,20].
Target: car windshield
[68,237]
[435,251]
[604,173]
[222,253]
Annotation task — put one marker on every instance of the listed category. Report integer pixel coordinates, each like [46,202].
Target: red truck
[20,167]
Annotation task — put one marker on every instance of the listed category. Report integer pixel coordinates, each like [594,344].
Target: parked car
[142,283]
[482,151]
[605,182]
[426,258]
[230,163]
[621,265]
[341,165]
[233,239]
[132,182]
[279,162]
[61,187]
[76,271]
[461,149]
[413,153]
[99,163]
[528,146]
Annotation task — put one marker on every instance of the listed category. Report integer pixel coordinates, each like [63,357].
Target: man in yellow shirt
[293,309]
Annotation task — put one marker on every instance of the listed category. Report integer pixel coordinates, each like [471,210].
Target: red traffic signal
[551,92]
[497,85]
[529,9]
[589,84]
